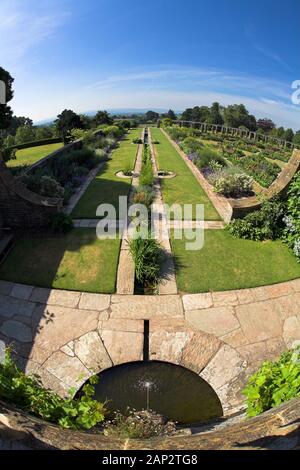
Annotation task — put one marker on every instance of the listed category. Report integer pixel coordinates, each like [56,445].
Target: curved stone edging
[223,336]
[275,429]
[237,208]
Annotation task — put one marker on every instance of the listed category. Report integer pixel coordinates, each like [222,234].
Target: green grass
[184,188]
[31,155]
[226,263]
[75,261]
[107,187]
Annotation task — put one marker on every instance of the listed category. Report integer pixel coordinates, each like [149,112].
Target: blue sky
[96,54]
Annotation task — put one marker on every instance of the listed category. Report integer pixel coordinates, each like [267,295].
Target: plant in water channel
[146,254]
[27,393]
[139,424]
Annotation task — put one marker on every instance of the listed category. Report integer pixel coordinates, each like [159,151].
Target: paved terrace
[67,336]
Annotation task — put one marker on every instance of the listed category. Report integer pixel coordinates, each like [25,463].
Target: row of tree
[18,130]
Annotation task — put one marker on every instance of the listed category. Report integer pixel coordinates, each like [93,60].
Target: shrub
[266,223]
[61,223]
[27,393]
[191,145]
[113,131]
[139,424]
[144,195]
[146,254]
[49,187]
[43,184]
[291,233]
[137,140]
[233,185]
[274,383]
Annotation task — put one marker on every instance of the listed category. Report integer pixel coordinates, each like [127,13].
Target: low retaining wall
[275,429]
[242,206]
[20,207]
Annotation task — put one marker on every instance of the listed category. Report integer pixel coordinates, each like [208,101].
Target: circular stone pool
[171,390]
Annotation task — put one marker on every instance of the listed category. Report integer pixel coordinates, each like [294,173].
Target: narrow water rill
[173,391]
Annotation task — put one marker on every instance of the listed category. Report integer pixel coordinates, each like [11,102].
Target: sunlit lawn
[107,187]
[31,155]
[184,188]
[227,263]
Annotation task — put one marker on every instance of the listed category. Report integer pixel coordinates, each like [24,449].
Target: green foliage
[44,185]
[146,175]
[139,425]
[24,134]
[146,254]
[292,219]
[233,185]
[144,195]
[61,223]
[256,165]
[27,393]
[263,224]
[274,383]
[191,145]
[66,122]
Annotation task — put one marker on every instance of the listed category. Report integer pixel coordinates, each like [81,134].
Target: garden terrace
[236,132]
[75,261]
[29,156]
[106,186]
[184,188]
[226,263]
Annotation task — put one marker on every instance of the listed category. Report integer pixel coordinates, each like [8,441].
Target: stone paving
[66,336]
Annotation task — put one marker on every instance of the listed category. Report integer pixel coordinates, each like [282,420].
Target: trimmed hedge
[36,143]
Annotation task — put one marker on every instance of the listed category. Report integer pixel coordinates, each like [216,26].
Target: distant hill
[111,111]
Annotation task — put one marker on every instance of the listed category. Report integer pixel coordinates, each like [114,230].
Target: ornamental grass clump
[146,254]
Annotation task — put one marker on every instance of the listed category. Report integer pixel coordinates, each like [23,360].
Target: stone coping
[222,336]
[275,429]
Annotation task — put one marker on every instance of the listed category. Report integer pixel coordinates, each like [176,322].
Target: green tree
[237,115]
[215,114]
[43,132]
[151,116]
[9,141]
[65,122]
[266,124]
[296,139]
[289,135]
[25,134]
[171,115]
[102,117]
[5,110]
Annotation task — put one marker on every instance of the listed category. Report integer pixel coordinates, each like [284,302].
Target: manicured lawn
[75,261]
[107,187]
[33,154]
[184,188]
[226,263]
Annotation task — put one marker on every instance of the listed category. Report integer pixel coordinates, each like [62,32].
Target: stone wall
[67,336]
[275,429]
[242,206]
[20,207]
